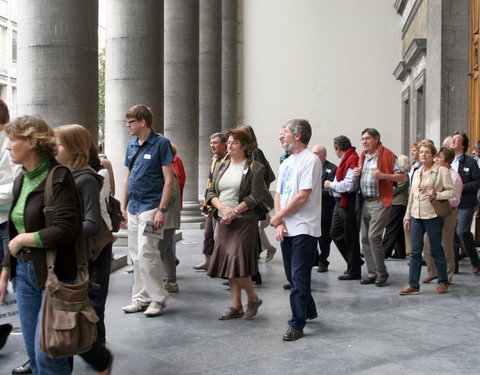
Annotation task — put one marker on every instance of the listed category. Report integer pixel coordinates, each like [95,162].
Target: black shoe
[23,369]
[368,280]
[5,330]
[287,286]
[347,276]
[322,268]
[292,334]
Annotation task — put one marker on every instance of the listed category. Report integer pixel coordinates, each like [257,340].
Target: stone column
[181,94]
[133,72]
[229,64]
[210,85]
[58,61]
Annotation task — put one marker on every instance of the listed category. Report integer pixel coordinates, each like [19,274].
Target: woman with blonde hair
[33,145]
[74,149]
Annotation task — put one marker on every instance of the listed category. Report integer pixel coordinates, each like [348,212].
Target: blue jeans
[3,239]
[433,228]
[29,299]
[465,236]
[298,258]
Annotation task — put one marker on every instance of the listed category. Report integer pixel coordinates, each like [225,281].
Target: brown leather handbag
[69,323]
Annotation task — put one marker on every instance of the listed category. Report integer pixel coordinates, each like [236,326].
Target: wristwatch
[162,210]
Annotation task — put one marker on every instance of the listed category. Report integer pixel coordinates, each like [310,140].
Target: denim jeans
[465,236]
[298,257]
[3,239]
[433,228]
[29,299]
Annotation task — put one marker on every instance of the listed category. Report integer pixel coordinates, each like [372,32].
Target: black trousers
[344,233]
[394,237]
[99,356]
[325,240]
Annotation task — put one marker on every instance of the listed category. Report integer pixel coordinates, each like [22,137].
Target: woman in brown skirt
[237,188]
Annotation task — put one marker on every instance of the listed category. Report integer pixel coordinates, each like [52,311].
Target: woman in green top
[33,145]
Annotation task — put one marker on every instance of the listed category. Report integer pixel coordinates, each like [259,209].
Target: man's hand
[376,174]
[124,222]
[276,220]
[327,184]
[279,231]
[158,220]
[357,172]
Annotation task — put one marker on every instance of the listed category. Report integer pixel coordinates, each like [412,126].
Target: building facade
[434,69]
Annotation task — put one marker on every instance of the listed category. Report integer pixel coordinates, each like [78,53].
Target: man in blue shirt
[146,193]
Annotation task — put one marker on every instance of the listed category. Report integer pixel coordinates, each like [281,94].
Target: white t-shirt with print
[302,171]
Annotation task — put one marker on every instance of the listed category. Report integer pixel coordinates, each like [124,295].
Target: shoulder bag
[69,323]
[442,207]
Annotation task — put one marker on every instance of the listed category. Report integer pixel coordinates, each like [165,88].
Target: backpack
[115,212]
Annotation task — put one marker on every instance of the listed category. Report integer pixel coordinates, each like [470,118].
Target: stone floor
[360,329]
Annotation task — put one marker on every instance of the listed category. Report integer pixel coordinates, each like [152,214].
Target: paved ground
[360,329]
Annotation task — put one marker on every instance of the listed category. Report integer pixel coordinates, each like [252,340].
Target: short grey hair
[220,136]
[302,127]
[342,142]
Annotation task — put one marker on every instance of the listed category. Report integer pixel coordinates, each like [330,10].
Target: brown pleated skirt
[236,250]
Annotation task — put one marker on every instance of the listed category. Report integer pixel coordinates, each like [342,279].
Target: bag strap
[80,249]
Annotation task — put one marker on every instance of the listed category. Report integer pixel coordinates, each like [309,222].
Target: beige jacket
[419,205]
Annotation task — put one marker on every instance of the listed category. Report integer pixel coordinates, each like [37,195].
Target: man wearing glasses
[146,193]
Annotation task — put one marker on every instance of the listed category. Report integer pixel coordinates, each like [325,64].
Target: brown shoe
[287,286]
[252,308]
[368,280]
[231,313]
[408,291]
[381,280]
[429,279]
[270,253]
[476,269]
[442,289]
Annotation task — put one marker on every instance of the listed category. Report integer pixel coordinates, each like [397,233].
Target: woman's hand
[228,214]
[3,285]
[406,224]
[431,192]
[19,241]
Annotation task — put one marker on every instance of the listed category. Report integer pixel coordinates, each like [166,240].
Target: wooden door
[474,126]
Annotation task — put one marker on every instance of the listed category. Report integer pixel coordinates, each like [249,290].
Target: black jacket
[470,173]
[328,173]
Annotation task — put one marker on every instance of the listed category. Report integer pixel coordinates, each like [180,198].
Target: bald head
[320,151]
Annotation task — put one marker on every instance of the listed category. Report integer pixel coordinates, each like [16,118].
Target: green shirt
[31,179]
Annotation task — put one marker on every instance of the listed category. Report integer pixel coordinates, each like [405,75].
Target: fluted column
[210,85]
[133,71]
[181,94]
[58,61]
[229,63]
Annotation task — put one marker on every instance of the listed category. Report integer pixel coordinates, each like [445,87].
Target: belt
[371,199]
[25,256]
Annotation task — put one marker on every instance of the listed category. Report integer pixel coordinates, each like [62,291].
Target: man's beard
[289,147]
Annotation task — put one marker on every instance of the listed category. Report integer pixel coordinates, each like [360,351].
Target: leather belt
[25,256]
[372,199]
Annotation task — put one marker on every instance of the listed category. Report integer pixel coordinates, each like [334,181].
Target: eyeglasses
[130,121]
[232,143]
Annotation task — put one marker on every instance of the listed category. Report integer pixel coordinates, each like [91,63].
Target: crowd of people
[373,205]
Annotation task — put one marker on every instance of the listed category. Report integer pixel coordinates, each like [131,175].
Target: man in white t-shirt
[297,220]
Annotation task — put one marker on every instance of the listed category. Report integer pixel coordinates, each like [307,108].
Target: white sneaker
[154,308]
[171,287]
[135,306]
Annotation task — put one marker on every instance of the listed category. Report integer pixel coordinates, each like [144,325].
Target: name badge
[466,169]
[328,170]
[147,156]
